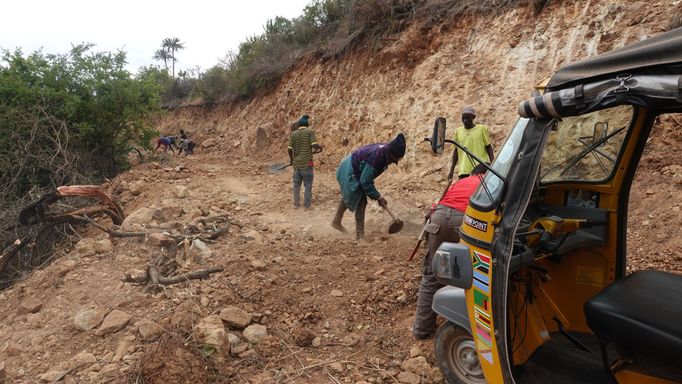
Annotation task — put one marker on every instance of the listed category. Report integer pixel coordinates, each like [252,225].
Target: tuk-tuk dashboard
[553,231]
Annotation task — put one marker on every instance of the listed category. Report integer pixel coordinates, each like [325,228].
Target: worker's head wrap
[468,111]
[303,121]
[397,146]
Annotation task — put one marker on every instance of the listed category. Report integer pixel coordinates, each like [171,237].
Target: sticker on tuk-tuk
[481,262]
[484,350]
[590,276]
[482,318]
[476,224]
[481,281]
[481,299]
[485,335]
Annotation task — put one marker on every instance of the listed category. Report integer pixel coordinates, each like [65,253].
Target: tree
[74,115]
[162,54]
[172,45]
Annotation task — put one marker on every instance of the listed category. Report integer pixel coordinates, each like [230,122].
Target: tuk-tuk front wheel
[456,354]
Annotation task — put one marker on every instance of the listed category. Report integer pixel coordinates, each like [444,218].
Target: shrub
[68,117]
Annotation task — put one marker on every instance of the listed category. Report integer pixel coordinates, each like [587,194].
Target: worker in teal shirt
[356,174]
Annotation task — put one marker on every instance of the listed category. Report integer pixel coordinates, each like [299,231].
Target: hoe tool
[396,225]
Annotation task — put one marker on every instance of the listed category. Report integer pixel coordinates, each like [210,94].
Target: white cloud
[208,29]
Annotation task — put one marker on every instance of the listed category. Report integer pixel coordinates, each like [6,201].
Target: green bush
[70,117]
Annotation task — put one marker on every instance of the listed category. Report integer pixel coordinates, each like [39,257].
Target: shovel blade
[396,226]
[276,168]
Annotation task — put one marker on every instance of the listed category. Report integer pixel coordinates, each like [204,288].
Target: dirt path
[299,277]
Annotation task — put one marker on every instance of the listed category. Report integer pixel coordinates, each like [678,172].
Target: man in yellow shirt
[476,139]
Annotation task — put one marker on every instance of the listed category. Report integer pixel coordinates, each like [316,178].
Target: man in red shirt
[443,226]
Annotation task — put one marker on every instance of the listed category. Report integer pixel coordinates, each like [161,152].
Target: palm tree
[162,54]
[172,45]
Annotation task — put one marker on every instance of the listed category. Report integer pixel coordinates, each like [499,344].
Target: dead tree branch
[152,277]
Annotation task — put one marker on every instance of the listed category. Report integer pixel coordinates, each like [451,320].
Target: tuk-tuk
[537,287]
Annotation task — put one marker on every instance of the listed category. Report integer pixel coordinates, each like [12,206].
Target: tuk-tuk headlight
[452,265]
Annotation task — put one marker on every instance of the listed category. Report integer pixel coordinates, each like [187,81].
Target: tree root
[152,278]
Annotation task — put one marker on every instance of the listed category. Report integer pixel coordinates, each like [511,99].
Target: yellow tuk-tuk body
[542,254]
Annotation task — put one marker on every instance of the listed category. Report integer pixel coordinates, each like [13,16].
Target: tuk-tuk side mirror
[452,265]
[438,136]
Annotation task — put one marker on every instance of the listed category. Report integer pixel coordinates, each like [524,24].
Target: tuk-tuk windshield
[486,198]
[586,147]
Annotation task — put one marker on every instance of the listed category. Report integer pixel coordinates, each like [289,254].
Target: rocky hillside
[295,301]
[489,61]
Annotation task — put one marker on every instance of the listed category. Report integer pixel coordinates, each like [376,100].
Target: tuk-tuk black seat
[642,315]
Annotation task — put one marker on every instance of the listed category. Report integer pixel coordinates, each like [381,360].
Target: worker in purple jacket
[356,174]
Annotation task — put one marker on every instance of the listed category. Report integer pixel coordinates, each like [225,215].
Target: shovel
[396,225]
[277,168]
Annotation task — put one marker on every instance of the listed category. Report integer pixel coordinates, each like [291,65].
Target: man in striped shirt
[302,145]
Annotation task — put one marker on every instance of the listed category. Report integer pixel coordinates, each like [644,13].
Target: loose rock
[210,331]
[235,317]
[114,321]
[52,376]
[418,365]
[149,330]
[408,378]
[255,332]
[258,265]
[30,305]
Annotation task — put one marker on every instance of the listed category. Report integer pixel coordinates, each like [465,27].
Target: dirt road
[336,310]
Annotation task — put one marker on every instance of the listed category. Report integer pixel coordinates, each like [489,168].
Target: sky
[208,29]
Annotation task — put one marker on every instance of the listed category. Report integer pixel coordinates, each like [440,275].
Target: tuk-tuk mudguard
[521,180]
[450,302]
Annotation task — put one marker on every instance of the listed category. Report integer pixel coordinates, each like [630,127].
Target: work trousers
[305,176]
[359,216]
[443,227]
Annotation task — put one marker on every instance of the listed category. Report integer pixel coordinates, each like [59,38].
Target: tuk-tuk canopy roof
[661,50]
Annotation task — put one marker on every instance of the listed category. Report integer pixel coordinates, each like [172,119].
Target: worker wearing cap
[356,174]
[302,145]
[476,139]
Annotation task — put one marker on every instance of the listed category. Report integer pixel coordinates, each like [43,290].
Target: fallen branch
[301,371]
[39,211]
[204,274]
[153,276]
